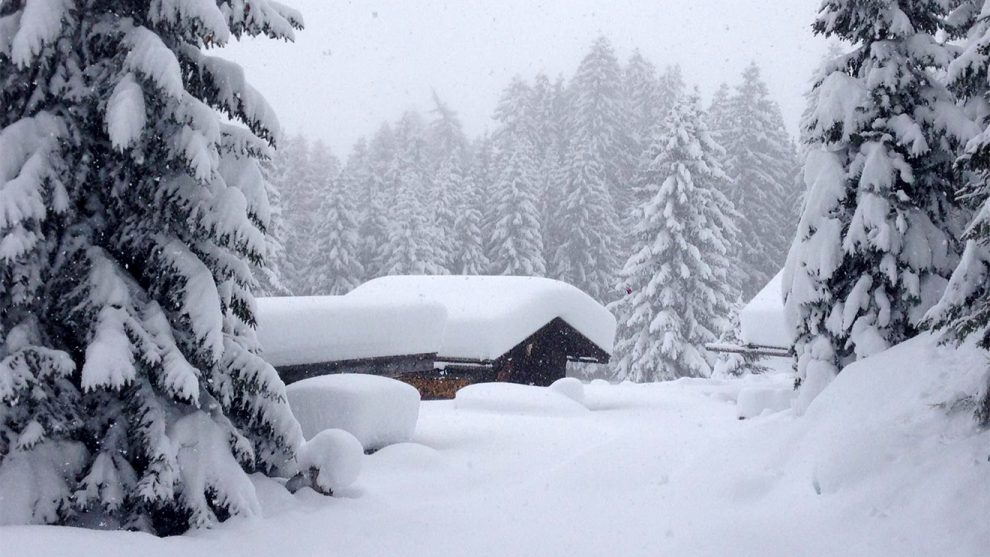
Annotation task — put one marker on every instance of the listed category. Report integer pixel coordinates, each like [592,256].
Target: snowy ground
[663,469]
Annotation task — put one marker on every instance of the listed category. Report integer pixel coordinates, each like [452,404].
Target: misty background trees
[548,191]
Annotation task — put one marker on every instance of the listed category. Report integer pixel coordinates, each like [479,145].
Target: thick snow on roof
[762,320]
[314,329]
[489,315]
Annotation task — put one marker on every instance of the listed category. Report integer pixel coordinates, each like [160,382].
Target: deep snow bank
[881,464]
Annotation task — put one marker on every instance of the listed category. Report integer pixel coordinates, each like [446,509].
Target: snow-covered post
[131,388]
[876,239]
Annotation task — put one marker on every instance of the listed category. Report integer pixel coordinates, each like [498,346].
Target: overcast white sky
[359,63]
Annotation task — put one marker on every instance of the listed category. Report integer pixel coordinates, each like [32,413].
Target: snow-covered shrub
[131,214]
[377,410]
[331,460]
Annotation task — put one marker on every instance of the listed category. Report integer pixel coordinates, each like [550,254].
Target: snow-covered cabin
[473,328]
[762,322]
[307,336]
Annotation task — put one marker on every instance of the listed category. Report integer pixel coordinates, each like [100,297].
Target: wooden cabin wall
[540,361]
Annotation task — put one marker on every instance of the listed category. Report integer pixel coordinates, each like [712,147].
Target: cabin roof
[487,316]
[313,329]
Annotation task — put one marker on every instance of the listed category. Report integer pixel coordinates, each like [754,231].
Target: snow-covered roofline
[315,329]
[462,317]
[489,315]
[762,320]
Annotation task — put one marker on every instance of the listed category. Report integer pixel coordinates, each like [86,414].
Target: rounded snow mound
[571,387]
[336,454]
[510,398]
[377,410]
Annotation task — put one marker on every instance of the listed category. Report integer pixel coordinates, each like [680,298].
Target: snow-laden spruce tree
[412,245]
[288,169]
[876,239]
[268,272]
[549,106]
[336,268]
[449,158]
[320,171]
[964,310]
[596,189]
[132,393]
[377,201]
[468,257]
[641,87]
[678,296]
[516,243]
[446,201]
[761,162]
[719,112]
[445,135]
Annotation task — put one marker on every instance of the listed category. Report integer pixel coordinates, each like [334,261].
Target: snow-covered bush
[331,460]
[377,410]
[131,214]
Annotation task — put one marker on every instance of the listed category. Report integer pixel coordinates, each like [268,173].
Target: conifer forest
[625,278]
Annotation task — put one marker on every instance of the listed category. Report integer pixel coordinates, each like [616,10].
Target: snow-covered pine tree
[876,239]
[672,90]
[468,257]
[412,245]
[646,110]
[320,170]
[595,190]
[445,136]
[289,164]
[516,244]
[641,87]
[549,107]
[964,310]
[761,162]
[483,171]
[678,297]
[268,273]
[132,393]
[447,199]
[719,112]
[377,202]
[449,160]
[335,268]
[796,196]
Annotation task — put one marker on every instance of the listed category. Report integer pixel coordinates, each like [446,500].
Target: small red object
[628,290]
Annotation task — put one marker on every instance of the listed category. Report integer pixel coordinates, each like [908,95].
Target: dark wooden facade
[539,360]
[389,366]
